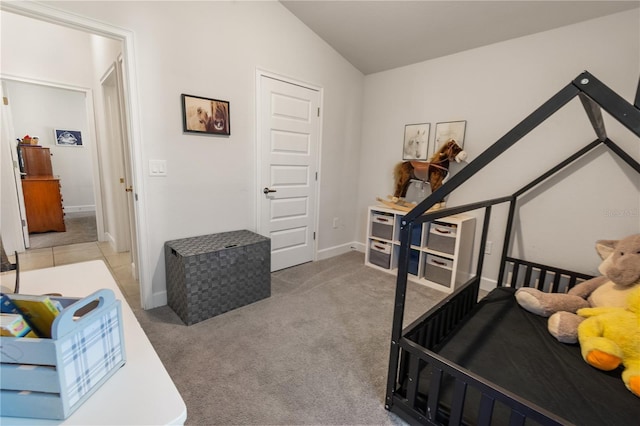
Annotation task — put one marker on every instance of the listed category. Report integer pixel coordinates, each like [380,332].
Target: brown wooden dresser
[42,198]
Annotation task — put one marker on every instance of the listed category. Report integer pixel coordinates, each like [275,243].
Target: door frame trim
[49,14]
[258,184]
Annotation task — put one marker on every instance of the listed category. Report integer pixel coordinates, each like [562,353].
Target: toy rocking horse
[432,172]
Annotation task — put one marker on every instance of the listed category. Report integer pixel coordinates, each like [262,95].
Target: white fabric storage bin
[380,253]
[442,237]
[438,269]
[382,225]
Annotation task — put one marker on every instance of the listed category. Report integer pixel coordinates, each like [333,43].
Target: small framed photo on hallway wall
[204,115]
[68,137]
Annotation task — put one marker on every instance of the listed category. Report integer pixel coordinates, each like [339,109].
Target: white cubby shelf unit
[441,250]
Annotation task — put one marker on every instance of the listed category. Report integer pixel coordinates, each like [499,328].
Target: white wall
[494,88]
[33,50]
[213,49]
[37,110]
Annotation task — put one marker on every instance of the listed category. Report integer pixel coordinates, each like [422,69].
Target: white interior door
[115,178]
[289,127]
[128,169]
[15,233]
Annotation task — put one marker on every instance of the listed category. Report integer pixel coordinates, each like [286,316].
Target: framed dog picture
[416,141]
[205,115]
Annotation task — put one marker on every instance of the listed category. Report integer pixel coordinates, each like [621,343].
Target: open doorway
[51,170]
[111,168]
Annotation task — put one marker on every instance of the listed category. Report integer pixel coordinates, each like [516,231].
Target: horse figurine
[433,171]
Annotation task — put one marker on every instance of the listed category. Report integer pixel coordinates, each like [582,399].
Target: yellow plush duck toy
[611,336]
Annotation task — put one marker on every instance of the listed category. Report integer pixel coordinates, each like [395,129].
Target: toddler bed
[510,351]
[491,362]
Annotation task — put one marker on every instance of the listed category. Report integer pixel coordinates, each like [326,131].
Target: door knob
[268,190]
[129,189]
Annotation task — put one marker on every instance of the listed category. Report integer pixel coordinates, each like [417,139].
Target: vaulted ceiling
[376,36]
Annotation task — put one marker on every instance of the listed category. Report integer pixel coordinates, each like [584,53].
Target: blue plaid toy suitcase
[51,378]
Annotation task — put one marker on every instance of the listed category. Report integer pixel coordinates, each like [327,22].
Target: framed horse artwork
[416,141]
[445,131]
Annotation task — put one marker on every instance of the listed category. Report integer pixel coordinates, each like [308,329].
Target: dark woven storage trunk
[212,274]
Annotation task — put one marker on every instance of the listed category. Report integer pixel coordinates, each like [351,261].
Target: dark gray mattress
[512,348]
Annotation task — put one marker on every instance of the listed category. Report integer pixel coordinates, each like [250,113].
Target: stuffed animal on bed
[620,275]
[611,336]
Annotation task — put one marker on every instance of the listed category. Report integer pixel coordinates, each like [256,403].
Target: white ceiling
[376,36]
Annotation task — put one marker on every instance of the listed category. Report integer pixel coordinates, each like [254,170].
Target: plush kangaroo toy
[620,275]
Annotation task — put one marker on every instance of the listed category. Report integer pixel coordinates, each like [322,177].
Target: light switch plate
[157,167]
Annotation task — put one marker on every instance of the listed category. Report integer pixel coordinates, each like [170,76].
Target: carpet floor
[80,228]
[315,352]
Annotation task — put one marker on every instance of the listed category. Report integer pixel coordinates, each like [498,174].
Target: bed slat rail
[486,410]
[432,327]
[433,412]
[543,277]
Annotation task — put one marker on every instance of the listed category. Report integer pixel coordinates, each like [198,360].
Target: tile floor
[119,263]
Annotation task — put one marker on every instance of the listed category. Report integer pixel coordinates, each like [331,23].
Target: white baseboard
[361,247]
[77,209]
[488,284]
[158,299]
[335,251]
[109,238]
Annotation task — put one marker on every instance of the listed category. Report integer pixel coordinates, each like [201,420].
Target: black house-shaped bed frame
[408,354]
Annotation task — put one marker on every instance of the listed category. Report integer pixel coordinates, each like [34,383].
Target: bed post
[398,311]
[483,241]
[507,239]
[595,116]
[637,101]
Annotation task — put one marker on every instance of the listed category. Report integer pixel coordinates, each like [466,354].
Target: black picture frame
[205,115]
